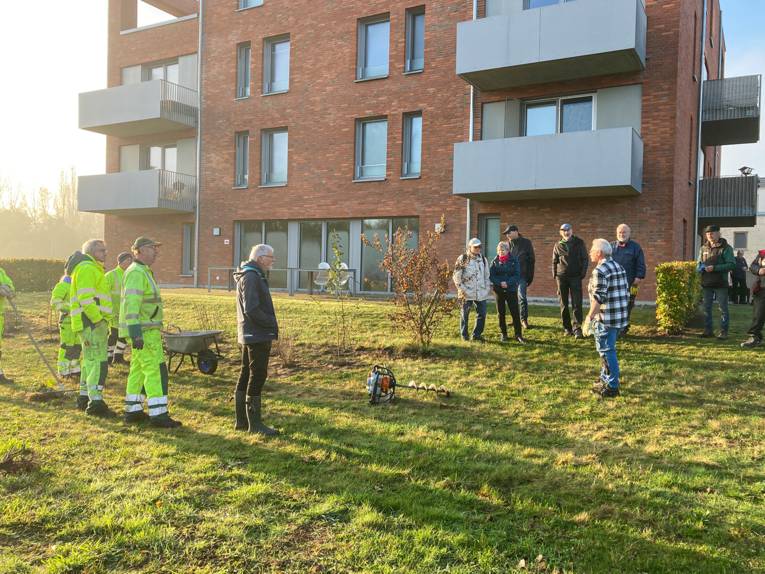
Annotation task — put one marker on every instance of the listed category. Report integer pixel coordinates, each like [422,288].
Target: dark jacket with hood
[508,272]
[524,251]
[256,318]
[570,259]
[720,255]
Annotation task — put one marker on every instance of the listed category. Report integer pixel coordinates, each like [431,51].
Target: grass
[521,470]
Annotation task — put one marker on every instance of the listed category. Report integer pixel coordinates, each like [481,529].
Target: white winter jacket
[471,276]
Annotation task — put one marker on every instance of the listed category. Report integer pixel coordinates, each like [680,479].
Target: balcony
[728,201]
[149,192]
[565,41]
[731,111]
[152,107]
[580,164]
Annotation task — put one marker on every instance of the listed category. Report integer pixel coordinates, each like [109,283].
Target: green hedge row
[678,292]
[33,274]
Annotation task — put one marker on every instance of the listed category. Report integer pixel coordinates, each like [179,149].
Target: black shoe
[479,339]
[164,421]
[99,409]
[722,336]
[751,342]
[135,417]
[525,324]
[609,392]
[578,334]
[707,335]
[82,402]
[568,333]
[240,406]
[255,424]
[520,340]
[5,380]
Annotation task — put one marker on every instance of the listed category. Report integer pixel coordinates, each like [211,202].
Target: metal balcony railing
[728,201]
[731,99]
[177,190]
[179,103]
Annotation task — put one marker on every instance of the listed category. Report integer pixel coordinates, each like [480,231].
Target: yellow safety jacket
[59,299]
[5,280]
[141,302]
[115,278]
[90,299]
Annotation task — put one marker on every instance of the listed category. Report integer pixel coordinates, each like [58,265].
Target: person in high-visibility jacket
[114,277]
[141,322]
[7,291]
[69,349]
[90,311]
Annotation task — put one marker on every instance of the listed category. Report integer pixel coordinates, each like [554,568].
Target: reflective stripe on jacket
[114,278]
[141,307]
[89,297]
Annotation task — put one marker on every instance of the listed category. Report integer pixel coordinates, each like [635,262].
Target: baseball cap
[475,242]
[123,256]
[711,228]
[565,227]
[144,242]
[510,228]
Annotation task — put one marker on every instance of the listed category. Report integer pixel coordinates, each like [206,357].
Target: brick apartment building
[237,122]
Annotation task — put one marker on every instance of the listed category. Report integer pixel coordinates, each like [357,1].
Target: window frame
[359,149]
[406,152]
[411,15]
[268,46]
[147,68]
[746,240]
[241,4]
[527,4]
[242,159]
[243,90]
[145,156]
[361,52]
[266,157]
[558,100]
[187,250]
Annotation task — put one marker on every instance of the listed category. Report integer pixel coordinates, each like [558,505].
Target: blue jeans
[523,301]
[480,319]
[605,344]
[721,293]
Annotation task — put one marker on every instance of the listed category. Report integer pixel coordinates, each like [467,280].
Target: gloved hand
[73,352]
[6,291]
[138,343]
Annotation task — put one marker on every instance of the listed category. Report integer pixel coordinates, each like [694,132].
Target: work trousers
[148,374]
[117,344]
[758,315]
[254,371]
[94,361]
[68,347]
[2,328]
[570,288]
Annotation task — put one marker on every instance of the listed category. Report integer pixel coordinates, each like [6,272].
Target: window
[338,237]
[529,4]
[415,39]
[161,157]
[249,4]
[372,277]
[373,41]
[187,251]
[740,239]
[488,231]
[276,65]
[274,157]
[411,162]
[243,53]
[310,250]
[371,148]
[275,233]
[165,71]
[242,161]
[560,115]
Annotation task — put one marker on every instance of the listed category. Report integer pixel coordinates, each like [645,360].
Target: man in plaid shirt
[609,313]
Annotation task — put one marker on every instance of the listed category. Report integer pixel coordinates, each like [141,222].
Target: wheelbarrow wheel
[207,363]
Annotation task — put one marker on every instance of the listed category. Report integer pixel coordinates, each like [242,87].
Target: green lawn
[522,463]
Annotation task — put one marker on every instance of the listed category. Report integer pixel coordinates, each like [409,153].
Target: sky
[50,51]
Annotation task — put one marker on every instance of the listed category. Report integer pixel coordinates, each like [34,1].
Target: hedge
[678,292]
[33,274]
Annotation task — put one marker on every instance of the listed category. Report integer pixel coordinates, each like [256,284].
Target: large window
[415,39]
[310,250]
[163,71]
[373,42]
[560,115]
[372,277]
[161,157]
[249,3]
[187,251]
[412,156]
[276,65]
[242,160]
[274,157]
[488,226]
[275,233]
[243,52]
[371,148]
[740,239]
[338,237]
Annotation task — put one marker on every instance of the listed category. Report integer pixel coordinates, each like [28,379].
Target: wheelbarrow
[196,345]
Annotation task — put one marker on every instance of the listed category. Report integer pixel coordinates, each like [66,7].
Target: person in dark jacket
[569,266]
[523,249]
[757,269]
[716,261]
[505,273]
[257,328]
[629,255]
[738,275]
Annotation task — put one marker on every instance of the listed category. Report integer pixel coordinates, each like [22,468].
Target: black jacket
[739,273]
[524,251]
[570,259]
[256,318]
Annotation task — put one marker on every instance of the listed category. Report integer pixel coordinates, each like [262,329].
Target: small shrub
[678,291]
[33,275]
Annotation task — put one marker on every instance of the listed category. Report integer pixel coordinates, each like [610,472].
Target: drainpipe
[469,215]
[699,155]
[200,45]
